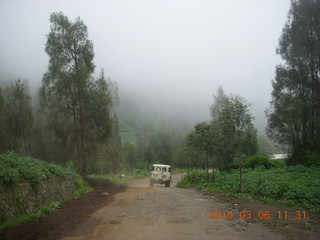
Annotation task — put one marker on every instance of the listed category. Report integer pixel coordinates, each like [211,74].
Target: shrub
[14,169]
[312,158]
[228,167]
[257,160]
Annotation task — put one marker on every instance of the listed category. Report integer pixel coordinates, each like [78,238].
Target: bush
[257,160]
[312,158]
[228,167]
[14,169]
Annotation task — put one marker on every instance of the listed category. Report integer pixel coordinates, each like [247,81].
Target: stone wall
[24,198]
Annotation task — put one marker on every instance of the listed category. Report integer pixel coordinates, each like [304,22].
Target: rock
[105,194]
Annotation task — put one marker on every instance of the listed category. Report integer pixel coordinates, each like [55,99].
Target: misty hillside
[139,122]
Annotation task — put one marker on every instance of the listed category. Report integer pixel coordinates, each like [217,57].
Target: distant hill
[135,122]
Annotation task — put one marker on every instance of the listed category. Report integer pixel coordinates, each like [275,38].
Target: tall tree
[202,139]
[234,130]
[293,117]
[2,123]
[77,105]
[160,149]
[229,134]
[219,103]
[17,118]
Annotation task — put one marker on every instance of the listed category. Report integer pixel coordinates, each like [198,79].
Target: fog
[167,56]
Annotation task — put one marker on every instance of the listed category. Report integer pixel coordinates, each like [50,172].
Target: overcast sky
[168,53]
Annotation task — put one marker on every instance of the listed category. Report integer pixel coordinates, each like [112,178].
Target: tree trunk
[240,169]
[207,167]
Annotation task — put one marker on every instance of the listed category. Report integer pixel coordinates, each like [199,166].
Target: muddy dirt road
[143,212]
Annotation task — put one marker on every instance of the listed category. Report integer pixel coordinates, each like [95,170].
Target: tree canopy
[78,107]
[230,132]
[294,114]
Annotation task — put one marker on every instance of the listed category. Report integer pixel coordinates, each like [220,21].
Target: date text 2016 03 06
[258,215]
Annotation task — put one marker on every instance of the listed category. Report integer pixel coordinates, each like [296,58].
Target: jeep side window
[164,169]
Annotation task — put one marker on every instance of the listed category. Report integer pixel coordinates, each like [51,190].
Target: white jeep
[160,173]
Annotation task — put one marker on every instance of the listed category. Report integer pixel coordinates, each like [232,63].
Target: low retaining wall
[23,198]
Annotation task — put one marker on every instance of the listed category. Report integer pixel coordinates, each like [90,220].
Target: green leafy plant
[293,185]
[14,169]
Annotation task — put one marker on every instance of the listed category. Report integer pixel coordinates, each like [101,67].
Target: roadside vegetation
[297,186]
[40,212]
[75,121]
[116,178]
[229,142]
[15,169]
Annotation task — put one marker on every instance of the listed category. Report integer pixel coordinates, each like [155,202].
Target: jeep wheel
[167,184]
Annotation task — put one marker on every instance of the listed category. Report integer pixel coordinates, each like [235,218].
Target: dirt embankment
[68,218]
[144,212]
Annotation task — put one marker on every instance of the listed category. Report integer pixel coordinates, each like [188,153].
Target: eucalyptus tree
[77,105]
[234,130]
[293,117]
[203,139]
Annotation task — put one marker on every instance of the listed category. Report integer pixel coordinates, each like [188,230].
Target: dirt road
[143,212]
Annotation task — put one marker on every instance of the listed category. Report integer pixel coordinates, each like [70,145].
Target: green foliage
[157,149]
[137,173]
[257,160]
[194,178]
[202,138]
[128,133]
[312,158]
[140,173]
[265,147]
[293,117]
[277,163]
[230,133]
[228,167]
[78,107]
[106,159]
[40,212]
[293,185]
[81,187]
[178,170]
[186,157]
[16,117]
[14,169]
